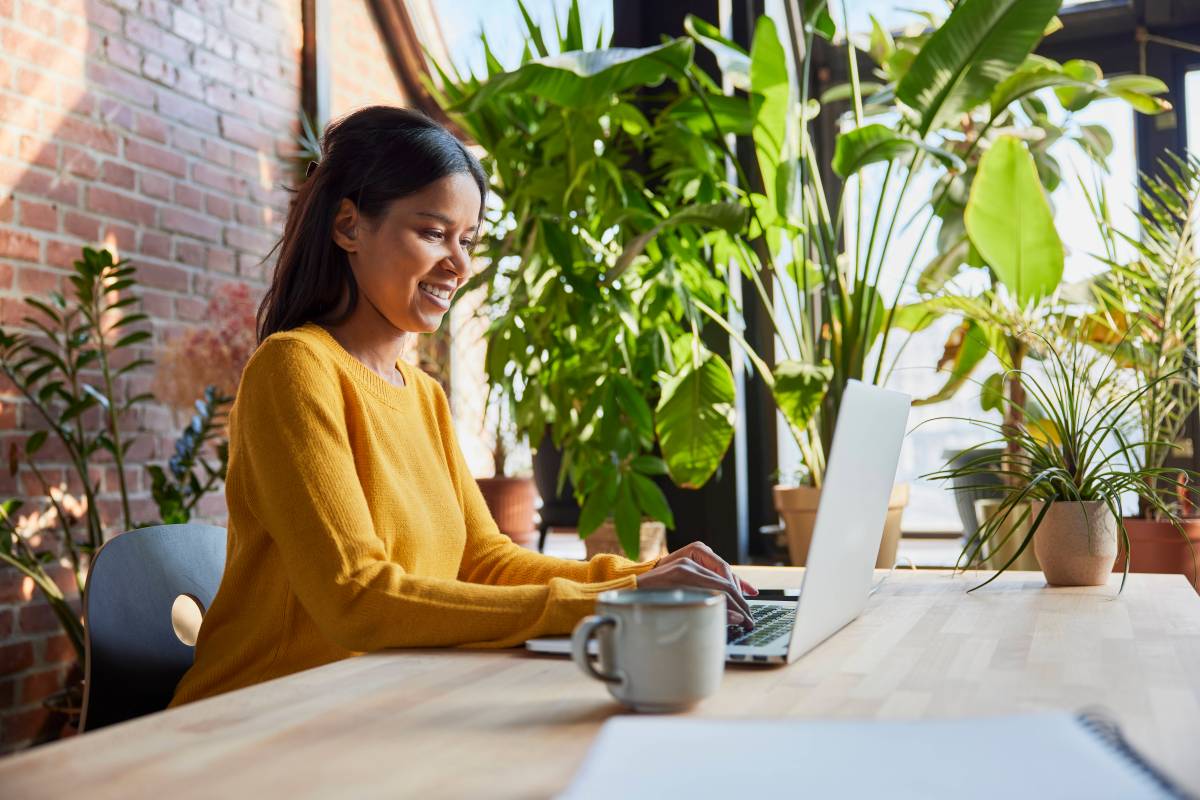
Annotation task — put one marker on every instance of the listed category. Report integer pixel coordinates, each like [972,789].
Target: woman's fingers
[747,588]
[700,575]
[734,618]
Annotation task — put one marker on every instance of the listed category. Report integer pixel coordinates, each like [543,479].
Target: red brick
[59,649]
[37,618]
[189,196]
[195,115]
[174,279]
[8,688]
[50,187]
[152,37]
[192,309]
[14,244]
[122,53]
[218,178]
[7,209]
[184,222]
[36,151]
[43,216]
[39,19]
[21,726]
[119,175]
[124,238]
[116,114]
[111,204]
[188,141]
[189,252]
[82,226]
[255,241]
[218,153]
[155,185]
[15,657]
[33,280]
[105,16]
[155,245]
[188,26]
[155,157]
[159,70]
[218,206]
[236,130]
[40,685]
[80,162]
[7,619]
[133,88]
[58,254]
[151,127]
[221,260]
[86,133]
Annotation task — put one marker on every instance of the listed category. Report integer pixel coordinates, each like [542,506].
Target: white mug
[660,649]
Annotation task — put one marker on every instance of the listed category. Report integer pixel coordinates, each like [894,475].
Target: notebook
[1054,755]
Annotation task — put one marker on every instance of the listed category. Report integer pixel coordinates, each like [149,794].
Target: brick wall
[162,129]
[360,72]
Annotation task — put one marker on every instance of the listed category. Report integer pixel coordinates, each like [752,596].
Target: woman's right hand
[689,567]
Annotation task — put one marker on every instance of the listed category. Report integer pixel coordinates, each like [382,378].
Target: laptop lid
[859,474]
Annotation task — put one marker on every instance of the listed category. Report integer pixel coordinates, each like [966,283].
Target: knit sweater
[355,525]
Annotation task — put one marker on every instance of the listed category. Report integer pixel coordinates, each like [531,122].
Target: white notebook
[1041,755]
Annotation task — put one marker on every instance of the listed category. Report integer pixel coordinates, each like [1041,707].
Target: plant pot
[1157,546]
[1001,547]
[558,510]
[970,488]
[1076,543]
[798,507]
[604,540]
[512,502]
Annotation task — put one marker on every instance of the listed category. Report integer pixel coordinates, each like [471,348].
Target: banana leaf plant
[832,254]
[607,178]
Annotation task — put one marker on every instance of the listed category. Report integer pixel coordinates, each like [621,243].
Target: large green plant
[1146,307]
[831,254]
[609,178]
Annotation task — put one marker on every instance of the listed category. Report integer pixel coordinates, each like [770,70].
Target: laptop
[859,474]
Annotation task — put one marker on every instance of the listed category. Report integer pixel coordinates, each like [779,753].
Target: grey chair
[146,592]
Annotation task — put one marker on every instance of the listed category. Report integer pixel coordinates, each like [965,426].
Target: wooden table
[507,724]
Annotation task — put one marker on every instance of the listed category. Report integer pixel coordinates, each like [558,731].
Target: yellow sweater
[354,525]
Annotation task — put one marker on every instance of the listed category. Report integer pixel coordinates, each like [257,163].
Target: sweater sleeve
[491,557]
[292,436]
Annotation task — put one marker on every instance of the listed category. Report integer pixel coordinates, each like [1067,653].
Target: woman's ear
[345,226]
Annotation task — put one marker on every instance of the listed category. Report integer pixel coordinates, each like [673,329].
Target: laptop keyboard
[770,622]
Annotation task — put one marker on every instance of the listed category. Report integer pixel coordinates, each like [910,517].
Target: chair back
[146,591]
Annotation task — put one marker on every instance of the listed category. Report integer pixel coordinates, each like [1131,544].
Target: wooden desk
[507,724]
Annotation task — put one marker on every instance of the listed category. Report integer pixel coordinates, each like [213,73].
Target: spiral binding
[1105,728]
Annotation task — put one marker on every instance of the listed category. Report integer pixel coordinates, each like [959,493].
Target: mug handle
[587,628]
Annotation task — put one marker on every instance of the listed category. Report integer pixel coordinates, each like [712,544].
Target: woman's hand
[697,566]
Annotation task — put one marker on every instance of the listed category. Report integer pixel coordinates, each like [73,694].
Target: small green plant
[189,476]
[1083,447]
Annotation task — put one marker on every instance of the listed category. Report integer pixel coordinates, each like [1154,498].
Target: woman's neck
[370,338]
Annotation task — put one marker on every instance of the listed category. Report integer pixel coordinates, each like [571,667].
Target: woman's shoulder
[293,355]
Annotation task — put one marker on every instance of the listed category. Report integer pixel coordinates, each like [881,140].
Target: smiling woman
[354,524]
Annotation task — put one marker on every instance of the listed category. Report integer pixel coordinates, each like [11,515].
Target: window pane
[1191,93]
[462,21]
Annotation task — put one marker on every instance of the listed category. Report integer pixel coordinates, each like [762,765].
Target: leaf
[35,442]
[628,520]
[732,59]
[874,143]
[695,419]
[729,217]
[991,397]
[133,338]
[966,347]
[979,45]
[634,405]
[598,505]
[942,268]
[581,79]
[770,103]
[1076,95]
[799,389]
[651,500]
[98,395]
[1009,221]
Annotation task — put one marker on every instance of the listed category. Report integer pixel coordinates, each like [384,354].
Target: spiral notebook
[1001,758]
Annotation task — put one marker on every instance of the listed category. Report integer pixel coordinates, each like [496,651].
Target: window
[1191,94]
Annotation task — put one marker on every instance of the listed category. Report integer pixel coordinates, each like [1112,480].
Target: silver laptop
[841,559]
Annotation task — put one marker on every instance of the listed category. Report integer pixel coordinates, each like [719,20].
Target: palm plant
[1083,449]
[1146,306]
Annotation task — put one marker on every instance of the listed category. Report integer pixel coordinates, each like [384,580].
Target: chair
[145,595]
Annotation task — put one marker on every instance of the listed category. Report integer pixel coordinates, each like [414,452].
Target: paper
[1000,758]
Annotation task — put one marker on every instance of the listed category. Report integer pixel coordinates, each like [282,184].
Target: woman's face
[411,261]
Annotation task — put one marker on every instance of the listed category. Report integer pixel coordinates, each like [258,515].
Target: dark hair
[373,156]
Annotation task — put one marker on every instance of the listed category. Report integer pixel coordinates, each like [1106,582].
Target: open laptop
[859,474]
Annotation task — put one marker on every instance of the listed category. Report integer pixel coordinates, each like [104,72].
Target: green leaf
[35,442]
[695,419]
[965,348]
[628,520]
[649,465]
[634,405]
[770,103]
[1076,95]
[133,338]
[98,395]
[874,143]
[581,79]
[1009,221]
[991,397]
[980,44]
[651,500]
[732,59]
[943,267]
[729,217]
[597,506]
[799,389]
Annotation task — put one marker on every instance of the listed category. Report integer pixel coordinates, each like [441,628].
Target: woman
[354,524]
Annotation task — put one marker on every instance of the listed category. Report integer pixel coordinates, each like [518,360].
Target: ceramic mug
[660,649]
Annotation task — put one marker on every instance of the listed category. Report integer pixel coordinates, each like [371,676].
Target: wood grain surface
[458,723]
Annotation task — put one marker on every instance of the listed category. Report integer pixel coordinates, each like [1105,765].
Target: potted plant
[511,499]
[596,252]
[1146,319]
[1065,475]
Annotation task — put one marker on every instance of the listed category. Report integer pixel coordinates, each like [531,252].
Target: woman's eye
[433,235]
[468,244]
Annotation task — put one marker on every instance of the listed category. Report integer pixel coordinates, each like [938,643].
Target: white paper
[1000,758]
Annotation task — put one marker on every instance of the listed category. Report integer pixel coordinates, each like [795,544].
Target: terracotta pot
[1076,543]
[604,540]
[798,507]
[512,502]
[1001,547]
[1159,547]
